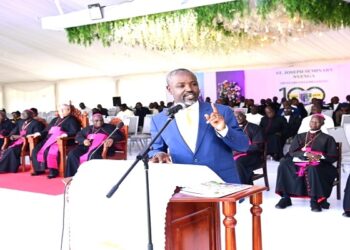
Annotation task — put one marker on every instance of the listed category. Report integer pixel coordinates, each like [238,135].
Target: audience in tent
[6,127]
[153,108]
[285,104]
[307,169]
[344,109]
[262,107]
[254,116]
[38,118]
[240,102]
[16,116]
[90,140]
[141,112]
[84,109]
[45,154]
[274,128]
[275,104]
[124,112]
[247,162]
[10,157]
[161,106]
[347,99]
[102,110]
[293,122]
[300,106]
[334,105]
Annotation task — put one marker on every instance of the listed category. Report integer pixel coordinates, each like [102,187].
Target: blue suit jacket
[212,150]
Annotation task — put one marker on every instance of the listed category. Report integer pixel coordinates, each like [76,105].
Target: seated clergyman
[90,140]
[307,170]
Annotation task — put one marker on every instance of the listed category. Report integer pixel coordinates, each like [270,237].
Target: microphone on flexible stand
[176,108]
[119,126]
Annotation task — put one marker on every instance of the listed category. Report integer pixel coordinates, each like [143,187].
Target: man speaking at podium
[201,134]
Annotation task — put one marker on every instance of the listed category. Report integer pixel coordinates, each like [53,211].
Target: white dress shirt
[189,130]
[123,115]
[254,118]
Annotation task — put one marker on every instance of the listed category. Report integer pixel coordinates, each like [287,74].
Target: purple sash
[54,132]
[236,155]
[303,165]
[20,140]
[97,139]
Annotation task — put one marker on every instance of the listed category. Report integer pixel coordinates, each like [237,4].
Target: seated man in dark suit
[247,162]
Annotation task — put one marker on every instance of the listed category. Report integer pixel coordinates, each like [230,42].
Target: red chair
[120,147]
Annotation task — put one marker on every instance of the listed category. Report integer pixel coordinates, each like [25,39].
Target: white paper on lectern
[95,222]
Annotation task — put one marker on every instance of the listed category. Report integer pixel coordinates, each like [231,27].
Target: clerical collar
[314,131]
[242,124]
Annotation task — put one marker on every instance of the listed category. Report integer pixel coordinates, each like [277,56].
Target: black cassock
[69,124]
[317,181]
[247,162]
[10,157]
[73,159]
[274,131]
[6,127]
[346,201]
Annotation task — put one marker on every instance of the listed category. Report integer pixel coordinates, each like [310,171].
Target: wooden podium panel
[193,226]
[193,223]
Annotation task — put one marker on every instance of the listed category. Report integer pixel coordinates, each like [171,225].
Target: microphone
[174,109]
[119,126]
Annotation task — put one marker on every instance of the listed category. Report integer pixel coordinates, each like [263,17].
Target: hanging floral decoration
[225,27]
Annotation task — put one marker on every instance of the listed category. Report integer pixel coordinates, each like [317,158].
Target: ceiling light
[124,10]
[95,11]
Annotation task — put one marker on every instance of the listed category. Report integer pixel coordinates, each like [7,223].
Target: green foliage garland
[204,26]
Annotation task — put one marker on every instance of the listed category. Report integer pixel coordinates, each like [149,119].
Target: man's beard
[189,102]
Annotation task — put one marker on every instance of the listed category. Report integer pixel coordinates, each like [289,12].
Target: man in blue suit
[200,134]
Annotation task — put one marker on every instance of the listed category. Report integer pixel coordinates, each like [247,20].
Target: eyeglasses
[98,120]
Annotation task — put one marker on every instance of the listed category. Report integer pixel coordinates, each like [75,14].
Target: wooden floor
[34,221]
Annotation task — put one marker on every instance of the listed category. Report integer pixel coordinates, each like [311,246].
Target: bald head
[178,71]
[64,110]
[241,118]
[316,122]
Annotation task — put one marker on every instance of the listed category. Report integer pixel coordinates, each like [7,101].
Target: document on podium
[299,160]
[213,189]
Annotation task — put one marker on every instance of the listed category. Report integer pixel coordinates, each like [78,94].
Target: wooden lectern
[194,222]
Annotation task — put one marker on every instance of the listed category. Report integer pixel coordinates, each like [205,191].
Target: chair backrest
[327,112]
[345,119]
[133,124]
[263,166]
[121,147]
[82,117]
[146,129]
